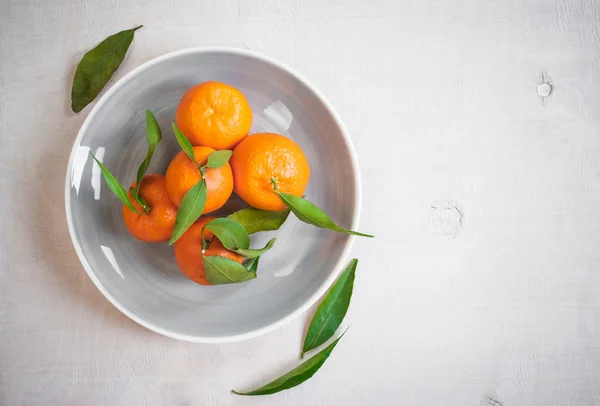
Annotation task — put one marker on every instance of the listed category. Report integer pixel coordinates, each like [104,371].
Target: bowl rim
[322,289]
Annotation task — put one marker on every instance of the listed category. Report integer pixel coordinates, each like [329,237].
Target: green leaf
[311,214]
[255,220]
[297,375]
[331,311]
[232,234]
[153,133]
[252,265]
[190,209]
[218,159]
[253,253]
[154,136]
[114,185]
[221,270]
[97,67]
[184,143]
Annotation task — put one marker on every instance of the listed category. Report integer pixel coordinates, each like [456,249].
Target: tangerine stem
[274,182]
[139,199]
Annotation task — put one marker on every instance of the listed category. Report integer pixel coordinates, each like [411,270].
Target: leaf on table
[331,311]
[221,270]
[97,67]
[190,209]
[311,214]
[232,234]
[296,376]
[255,220]
[115,186]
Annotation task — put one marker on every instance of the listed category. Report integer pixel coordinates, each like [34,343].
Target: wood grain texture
[440,98]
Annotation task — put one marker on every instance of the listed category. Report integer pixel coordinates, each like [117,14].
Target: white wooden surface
[441,100]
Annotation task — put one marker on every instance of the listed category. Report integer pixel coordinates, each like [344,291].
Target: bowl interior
[142,279]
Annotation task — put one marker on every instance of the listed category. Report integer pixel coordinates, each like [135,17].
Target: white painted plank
[441,100]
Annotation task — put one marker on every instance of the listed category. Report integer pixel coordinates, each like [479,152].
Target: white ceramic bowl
[141,279]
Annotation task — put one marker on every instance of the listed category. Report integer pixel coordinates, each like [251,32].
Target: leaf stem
[137,28]
[145,207]
[136,196]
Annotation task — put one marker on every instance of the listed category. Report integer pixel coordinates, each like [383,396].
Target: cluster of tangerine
[213,116]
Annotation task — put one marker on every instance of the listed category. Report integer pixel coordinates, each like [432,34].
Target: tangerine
[182,174]
[259,159]
[188,251]
[215,115]
[158,223]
